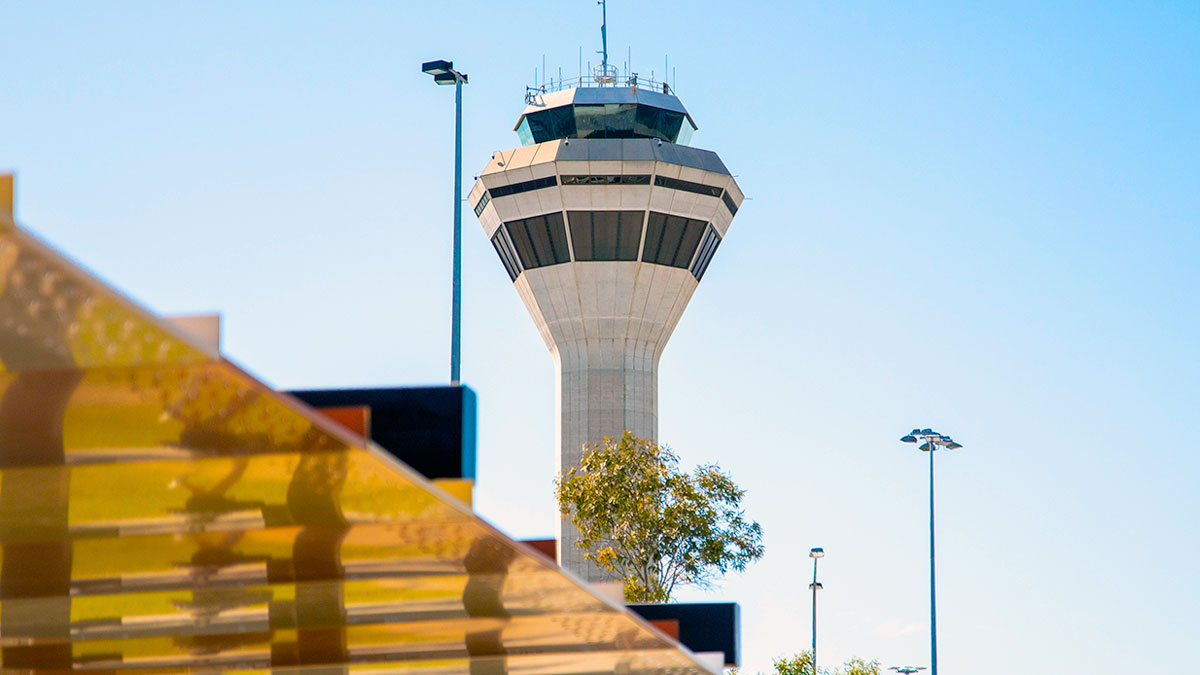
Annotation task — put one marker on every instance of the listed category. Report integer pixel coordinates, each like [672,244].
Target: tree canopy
[653,525]
[802,664]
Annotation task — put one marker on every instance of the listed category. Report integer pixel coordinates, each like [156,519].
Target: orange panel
[356,418]
[668,626]
[544,546]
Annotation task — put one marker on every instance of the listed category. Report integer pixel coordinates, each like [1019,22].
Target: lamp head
[439,67]
[443,72]
[816,586]
[909,439]
[817,552]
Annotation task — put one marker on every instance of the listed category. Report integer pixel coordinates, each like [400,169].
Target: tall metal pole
[933,441]
[814,619]
[604,35]
[456,317]
[932,577]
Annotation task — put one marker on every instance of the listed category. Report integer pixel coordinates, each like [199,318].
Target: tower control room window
[605,235]
[549,124]
[508,256]
[711,241]
[671,240]
[540,240]
[654,122]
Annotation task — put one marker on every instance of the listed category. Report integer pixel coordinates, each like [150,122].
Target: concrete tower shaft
[605,240]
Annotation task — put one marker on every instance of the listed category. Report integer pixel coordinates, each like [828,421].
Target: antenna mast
[605,74]
[603,32]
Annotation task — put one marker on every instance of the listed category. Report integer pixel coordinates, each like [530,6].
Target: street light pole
[815,554]
[932,441]
[443,73]
[932,577]
[456,315]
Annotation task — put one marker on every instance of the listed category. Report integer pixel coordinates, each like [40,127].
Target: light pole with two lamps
[816,554]
[932,442]
[443,72]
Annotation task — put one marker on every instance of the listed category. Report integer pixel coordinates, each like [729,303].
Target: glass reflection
[487,565]
[604,120]
[161,511]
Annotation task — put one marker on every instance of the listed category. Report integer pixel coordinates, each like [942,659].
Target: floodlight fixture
[931,441]
[817,552]
[907,670]
[439,67]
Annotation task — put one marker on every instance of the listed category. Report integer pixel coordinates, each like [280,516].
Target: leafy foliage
[653,525]
[802,664]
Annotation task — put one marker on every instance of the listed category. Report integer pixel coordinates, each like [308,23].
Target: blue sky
[982,219]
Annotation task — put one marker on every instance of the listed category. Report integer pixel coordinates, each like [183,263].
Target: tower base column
[605,387]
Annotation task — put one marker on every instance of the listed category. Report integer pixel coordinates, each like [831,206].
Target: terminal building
[606,221]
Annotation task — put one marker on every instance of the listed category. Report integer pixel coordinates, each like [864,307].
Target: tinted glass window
[605,235]
[515,188]
[540,240]
[524,133]
[483,202]
[608,120]
[547,125]
[508,256]
[657,123]
[687,186]
[729,203]
[711,241]
[606,180]
[671,240]
[604,120]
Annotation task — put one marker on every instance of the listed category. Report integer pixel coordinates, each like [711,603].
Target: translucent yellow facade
[162,511]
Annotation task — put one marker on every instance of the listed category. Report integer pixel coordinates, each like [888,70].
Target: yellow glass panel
[162,511]
[53,315]
[462,489]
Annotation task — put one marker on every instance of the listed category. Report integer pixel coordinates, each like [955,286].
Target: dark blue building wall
[431,429]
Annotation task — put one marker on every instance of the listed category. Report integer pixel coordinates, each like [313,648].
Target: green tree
[802,664]
[653,525]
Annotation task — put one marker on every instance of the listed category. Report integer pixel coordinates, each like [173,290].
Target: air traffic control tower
[606,221]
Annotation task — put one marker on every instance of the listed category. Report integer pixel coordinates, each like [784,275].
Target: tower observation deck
[606,221]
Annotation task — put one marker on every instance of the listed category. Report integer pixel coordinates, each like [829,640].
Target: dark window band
[687,186]
[483,201]
[508,256]
[711,241]
[605,235]
[606,180]
[671,240]
[515,188]
[729,203]
[540,240]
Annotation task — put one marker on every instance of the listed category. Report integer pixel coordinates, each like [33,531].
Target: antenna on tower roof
[605,74]
[603,32]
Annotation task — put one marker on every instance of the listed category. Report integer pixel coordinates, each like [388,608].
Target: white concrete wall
[605,323]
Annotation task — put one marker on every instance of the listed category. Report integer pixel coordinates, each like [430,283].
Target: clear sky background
[980,218]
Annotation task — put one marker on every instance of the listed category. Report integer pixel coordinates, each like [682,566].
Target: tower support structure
[606,223]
